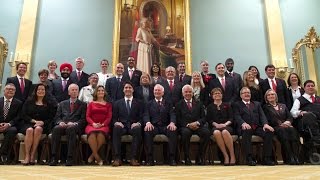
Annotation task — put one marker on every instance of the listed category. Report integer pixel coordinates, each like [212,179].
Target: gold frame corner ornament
[3,56]
[116,35]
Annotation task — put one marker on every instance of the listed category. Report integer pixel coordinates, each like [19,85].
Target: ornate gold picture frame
[169,24]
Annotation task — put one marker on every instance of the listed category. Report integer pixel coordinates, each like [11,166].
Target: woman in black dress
[280,119]
[220,119]
[37,113]
[249,81]
[294,88]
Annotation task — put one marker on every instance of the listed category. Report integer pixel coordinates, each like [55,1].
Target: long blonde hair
[201,80]
[246,83]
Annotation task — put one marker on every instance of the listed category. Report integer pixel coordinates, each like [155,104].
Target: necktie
[22,85]
[79,75]
[171,85]
[128,106]
[6,109]
[274,86]
[223,83]
[71,106]
[64,84]
[313,99]
[230,74]
[130,73]
[181,77]
[159,103]
[189,105]
[248,105]
[119,79]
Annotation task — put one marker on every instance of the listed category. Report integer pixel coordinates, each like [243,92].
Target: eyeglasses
[246,93]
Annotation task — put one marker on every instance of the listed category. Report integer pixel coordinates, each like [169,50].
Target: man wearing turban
[60,85]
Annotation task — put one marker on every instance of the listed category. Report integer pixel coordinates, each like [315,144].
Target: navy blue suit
[114,88]
[57,90]
[83,79]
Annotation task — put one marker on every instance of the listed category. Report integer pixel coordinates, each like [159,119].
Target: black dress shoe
[251,161]
[4,159]
[268,162]
[53,162]
[150,163]
[69,162]
[187,161]
[172,163]
[291,161]
[200,162]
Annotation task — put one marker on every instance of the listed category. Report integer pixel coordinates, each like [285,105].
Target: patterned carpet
[159,172]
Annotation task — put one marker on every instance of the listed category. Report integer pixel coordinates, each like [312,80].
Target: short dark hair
[151,69]
[128,82]
[19,63]
[229,60]
[269,66]
[307,82]
[288,80]
[258,73]
[43,71]
[218,65]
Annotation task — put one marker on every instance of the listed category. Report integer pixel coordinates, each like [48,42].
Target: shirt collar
[170,80]
[19,76]
[78,71]
[130,69]
[5,99]
[125,98]
[221,77]
[245,102]
[64,79]
[229,72]
[294,89]
[274,78]
[158,100]
[188,101]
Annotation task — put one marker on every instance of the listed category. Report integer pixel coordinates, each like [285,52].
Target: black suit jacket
[78,115]
[208,78]
[114,88]
[175,95]
[185,80]
[27,86]
[253,116]
[120,113]
[13,116]
[138,93]
[57,91]
[282,91]
[83,79]
[185,116]
[213,114]
[230,93]
[159,115]
[135,80]
[290,103]
[236,79]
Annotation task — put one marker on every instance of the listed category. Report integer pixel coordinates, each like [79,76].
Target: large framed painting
[153,32]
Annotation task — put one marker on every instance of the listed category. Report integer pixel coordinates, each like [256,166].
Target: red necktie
[181,77]
[171,85]
[22,85]
[313,99]
[223,83]
[79,75]
[274,86]
[71,106]
[248,105]
[189,105]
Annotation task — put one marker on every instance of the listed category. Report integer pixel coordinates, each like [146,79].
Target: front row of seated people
[129,116]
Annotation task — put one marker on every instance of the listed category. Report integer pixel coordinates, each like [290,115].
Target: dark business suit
[282,91]
[186,79]
[27,85]
[230,93]
[175,95]
[255,117]
[120,114]
[160,116]
[290,103]
[236,79]
[64,114]
[138,94]
[114,88]
[83,79]
[135,80]
[58,92]
[13,118]
[184,117]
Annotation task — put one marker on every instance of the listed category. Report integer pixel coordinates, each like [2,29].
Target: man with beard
[235,76]
[60,86]
[132,74]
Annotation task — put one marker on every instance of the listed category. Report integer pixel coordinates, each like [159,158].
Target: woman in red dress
[99,113]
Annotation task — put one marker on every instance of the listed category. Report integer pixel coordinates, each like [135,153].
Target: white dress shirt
[295,110]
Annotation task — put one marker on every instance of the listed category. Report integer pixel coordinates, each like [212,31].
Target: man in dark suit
[60,85]
[235,76]
[182,77]
[172,88]
[22,84]
[9,118]
[78,76]
[227,85]
[251,120]
[191,119]
[278,85]
[114,85]
[70,120]
[159,118]
[131,73]
[127,119]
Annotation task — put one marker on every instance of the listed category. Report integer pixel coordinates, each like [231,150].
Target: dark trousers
[136,134]
[71,133]
[186,134]
[172,144]
[289,140]
[267,141]
[306,122]
[9,135]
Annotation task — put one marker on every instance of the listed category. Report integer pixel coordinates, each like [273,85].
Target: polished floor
[15,172]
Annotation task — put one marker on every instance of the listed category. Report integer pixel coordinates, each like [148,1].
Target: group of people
[106,107]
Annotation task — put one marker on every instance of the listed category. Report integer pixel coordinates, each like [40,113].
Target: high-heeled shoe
[90,160]
[32,163]
[25,163]
[100,163]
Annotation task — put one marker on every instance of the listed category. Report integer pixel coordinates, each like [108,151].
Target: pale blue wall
[10,13]
[229,28]
[67,29]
